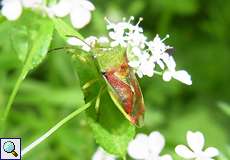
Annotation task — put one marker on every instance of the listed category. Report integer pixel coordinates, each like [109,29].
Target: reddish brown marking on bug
[138,100]
[125,84]
[122,89]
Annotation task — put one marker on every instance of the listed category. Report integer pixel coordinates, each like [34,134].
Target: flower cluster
[143,55]
[78,10]
[145,147]
[195,142]
[148,147]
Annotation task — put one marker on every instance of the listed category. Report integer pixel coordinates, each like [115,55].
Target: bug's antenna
[60,48]
[79,39]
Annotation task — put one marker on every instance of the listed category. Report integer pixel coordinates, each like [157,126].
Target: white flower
[195,151]
[101,154]
[145,147]
[79,11]
[12,9]
[171,72]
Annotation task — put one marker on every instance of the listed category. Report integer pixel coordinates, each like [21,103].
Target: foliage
[199,32]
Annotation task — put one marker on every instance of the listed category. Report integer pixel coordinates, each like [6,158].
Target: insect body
[122,84]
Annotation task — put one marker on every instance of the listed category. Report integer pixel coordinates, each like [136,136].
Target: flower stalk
[56,127]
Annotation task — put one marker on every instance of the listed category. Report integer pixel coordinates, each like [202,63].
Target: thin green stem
[158,73]
[11,99]
[56,127]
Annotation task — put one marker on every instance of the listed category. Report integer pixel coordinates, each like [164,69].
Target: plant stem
[11,99]
[56,127]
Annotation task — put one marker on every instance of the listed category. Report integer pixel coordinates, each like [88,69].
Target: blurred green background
[199,31]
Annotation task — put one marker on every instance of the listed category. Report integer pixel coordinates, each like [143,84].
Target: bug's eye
[103,73]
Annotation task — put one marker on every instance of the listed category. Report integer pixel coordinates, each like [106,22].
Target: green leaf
[65,29]
[40,31]
[110,128]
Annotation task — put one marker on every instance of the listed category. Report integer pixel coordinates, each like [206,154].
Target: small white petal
[91,40]
[101,154]
[167,76]
[103,40]
[74,41]
[134,64]
[147,68]
[183,76]
[61,9]
[211,152]
[88,5]
[114,44]
[195,141]
[156,142]
[184,152]
[170,62]
[80,17]
[139,73]
[11,9]
[161,64]
[138,148]
[166,157]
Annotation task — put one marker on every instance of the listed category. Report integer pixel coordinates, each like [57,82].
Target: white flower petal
[147,68]
[91,40]
[211,152]
[100,154]
[80,17]
[11,9]
[166,157]
[184,152]
[195,141]
[61,9]
[167,76]
[138,148]
[169,61]
[74,41]
[114,44]
[156,142]
[103,40]
[183,76]
[134,64]
[161,64]
[139,73]
[88,5]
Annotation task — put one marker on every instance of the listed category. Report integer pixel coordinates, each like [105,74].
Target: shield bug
[121,81]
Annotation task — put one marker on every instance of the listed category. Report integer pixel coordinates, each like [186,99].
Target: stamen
[139,21]
[131,19]
[107,20]
[166,37]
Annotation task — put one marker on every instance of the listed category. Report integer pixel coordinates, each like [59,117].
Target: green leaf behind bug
[111,130]
[65,29]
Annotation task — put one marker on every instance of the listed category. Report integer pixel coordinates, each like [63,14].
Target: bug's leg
[98,100]
[89,83]
[97,104]
[66,48]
